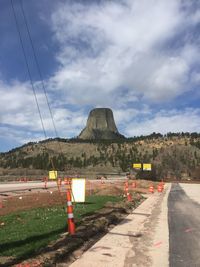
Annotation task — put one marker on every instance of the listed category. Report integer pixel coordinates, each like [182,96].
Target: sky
[138,57]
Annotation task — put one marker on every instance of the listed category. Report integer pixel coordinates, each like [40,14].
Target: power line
[29,74]
[39,72]
[28,69]
[31,80]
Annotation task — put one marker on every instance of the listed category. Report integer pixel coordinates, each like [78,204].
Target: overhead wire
[28,69]
[40,75]
[30,76]
[39,70]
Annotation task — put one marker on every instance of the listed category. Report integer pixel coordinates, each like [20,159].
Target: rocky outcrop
[100,125]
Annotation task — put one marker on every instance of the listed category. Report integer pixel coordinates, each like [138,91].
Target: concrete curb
[115,249]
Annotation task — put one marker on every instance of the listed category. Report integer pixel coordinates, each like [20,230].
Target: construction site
[77,188]
[36,214]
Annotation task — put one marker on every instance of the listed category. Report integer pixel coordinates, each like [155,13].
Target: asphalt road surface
[9,187]
[18,186]
[184,226]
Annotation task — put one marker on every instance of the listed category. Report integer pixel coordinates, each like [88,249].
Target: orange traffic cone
[129,197]
[1,204]
[66,181]
[126,189]
[151,189]
[126,184]
[71,224]
[134,185]
[160,188]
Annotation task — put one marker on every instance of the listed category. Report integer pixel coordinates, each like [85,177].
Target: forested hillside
[175,155]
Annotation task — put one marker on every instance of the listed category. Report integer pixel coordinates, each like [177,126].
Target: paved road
[184,226]
[16,186]
[9,187]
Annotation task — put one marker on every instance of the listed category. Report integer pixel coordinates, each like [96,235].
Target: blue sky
[138,57]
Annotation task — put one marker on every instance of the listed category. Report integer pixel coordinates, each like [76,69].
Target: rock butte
[100,125]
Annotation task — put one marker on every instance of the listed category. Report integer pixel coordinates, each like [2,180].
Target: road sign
[137,166]
[53,175]
[78,190]
[147,167]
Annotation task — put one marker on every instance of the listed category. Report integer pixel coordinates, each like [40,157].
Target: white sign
[78,190]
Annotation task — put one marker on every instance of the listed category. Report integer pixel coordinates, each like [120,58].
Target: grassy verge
[24,233]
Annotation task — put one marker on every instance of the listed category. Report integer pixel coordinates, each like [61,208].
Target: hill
[174,156]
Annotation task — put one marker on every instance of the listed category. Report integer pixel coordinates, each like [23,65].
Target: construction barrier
[67,181]
[160,188]
[151,189]
[134,185]
[128,195]
[126,184]
[71,224]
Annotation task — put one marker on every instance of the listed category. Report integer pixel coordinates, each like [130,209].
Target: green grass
[24,233]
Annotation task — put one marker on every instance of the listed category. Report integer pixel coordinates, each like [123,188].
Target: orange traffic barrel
[151,189]
[134,185]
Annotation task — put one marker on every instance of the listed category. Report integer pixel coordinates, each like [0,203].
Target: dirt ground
[25,200]
[92,228]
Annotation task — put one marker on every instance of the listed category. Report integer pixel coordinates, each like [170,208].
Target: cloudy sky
[138,57]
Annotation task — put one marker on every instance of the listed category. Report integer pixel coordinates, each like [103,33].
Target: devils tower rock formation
[100,125]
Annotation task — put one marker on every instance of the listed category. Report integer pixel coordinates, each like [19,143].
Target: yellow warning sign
[137,166]
[147,167]
[53,175]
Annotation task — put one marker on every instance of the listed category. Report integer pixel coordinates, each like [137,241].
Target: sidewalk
[119,246]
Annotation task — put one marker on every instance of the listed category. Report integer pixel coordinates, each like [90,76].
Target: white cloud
[125,116]
[19,106]
[112,48]
[166,121]
[20,120]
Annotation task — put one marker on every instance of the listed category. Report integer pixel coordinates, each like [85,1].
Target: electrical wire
[31,80]
[40,75]
[28,69]
[39,70]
